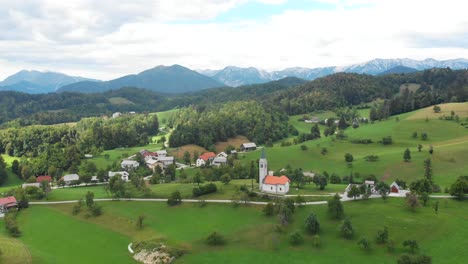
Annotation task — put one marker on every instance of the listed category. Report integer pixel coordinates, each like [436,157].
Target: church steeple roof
[263,154]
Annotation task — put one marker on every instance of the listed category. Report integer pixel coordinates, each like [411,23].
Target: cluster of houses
[154,159]
[39,180]
[210,158]
[394,187]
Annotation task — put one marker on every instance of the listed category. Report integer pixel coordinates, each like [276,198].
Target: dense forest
[205,125]
[63,146]
[292,95]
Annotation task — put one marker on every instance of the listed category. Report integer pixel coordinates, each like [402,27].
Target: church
[269,183]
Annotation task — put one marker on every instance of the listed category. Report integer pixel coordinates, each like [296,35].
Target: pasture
[250,236]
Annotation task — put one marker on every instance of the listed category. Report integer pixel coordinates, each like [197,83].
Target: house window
[261,166]
[271,188]
[281,189]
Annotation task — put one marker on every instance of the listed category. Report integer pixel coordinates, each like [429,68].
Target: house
[313,120]
[152,164]
[161,153]
[123,175]
[395,188]
[40,179]
[70,179]
[218,161]
[94,179]
[248,146]
[7,203]
[34,184]
[166,161]
[116,114]
[269,183]
[205,158]
[88,156]
[222,155]
[129,165]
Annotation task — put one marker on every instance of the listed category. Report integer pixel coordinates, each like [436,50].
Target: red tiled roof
[10,200]
[44,178]
[208,155]
[276,180]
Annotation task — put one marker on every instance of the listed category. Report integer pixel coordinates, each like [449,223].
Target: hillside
[162,79]
[398,70]
[35,82]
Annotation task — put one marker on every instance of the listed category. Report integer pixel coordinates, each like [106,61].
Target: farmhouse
[248,146]
[268,182]
[129,164]
[166,161]
[161,153]
[313,120]
[34,184]
[116,114]
[70,179]
[394,188]
[40,179]
[218,161]
[205,158]
[7,203]
[222,155]
[123,174]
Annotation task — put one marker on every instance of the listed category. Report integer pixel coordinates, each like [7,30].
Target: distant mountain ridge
[38,82]
[162,79]
[235,76]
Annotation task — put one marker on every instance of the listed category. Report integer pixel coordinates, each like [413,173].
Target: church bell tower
[262,168]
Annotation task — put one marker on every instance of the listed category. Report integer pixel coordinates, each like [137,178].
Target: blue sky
[106,39]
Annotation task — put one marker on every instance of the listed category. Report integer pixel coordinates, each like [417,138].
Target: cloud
[102,39]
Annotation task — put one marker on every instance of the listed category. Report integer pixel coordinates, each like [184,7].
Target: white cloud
[102,39]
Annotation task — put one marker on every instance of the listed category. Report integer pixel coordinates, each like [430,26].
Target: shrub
[11,225]
[304,147]
[76,209]
[335,179]
[174,199]
[361,141]
[421,259]
[316,241]
[95,210]
[387,140]
[364,243]
[382,236]
[312,224]
[346,230]
[296,238]
[215,239]
[269,209]
[204,189]
[371,158]
[225,178]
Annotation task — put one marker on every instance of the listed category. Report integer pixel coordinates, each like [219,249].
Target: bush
[316,241]
[204,189]
[76,209]
[11,225]
[174,199]
[421,259]
[215,239]
[95,210]
[269,209]
[296,238]
[346,229]
[225,178]
[371,158]
[312,224]
[335,179]
[387,140]
[361,141]
[304,147]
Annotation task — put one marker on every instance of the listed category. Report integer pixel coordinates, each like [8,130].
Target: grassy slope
[450,142]
[250,236]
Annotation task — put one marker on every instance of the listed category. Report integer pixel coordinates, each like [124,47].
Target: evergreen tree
[407,155]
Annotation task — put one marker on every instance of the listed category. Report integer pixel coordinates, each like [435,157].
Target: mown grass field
[249,234]
[449,140]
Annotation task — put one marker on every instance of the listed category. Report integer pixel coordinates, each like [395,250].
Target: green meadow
[51,234]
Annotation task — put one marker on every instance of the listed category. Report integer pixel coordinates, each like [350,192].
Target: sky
[106,39]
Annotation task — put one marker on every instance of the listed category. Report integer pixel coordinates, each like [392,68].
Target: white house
[35,184]
[166,161]
[269,183]
[123,175]
[205,158]
[116,114]
[161,153]
[222,155]
[129,164]
[70,178]
[218,161]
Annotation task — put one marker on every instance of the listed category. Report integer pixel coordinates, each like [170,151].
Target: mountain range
[235,76]
[178,79]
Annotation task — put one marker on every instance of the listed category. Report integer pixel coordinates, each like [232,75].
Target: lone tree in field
[312,224]
[436,109]
[364,243]
[174,199]
[412,245]
[215,239]
[428,169]
[346,229]
[348,157]
[420,147]
[382,236]
[407,155]
[460,187]
[412,201]
[335,208]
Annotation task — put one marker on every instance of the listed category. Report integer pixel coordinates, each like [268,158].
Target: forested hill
[345,89]
[53,108]
[290,95]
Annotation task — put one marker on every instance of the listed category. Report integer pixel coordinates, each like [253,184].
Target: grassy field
[449,140]
[460,109]
[250,235]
